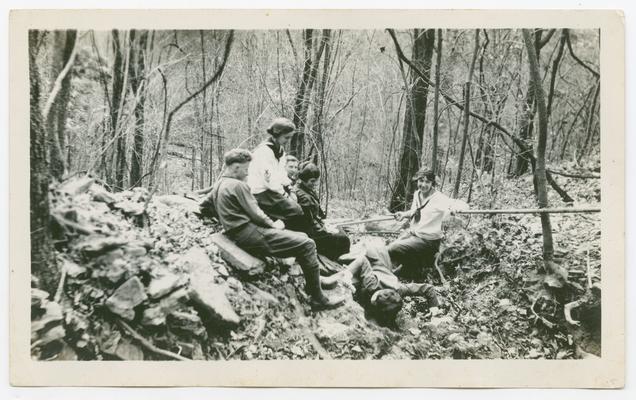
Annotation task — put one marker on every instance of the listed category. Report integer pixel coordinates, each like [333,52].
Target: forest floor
[142,279]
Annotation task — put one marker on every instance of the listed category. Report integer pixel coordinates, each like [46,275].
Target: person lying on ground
[253,231]
[378,290]
[331,244]
[415,249]
[267,176]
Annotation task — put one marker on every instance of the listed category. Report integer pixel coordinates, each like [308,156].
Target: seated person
[267,175]
[253,231]
[378,289]
[291,166]
[330,244]
[417,247]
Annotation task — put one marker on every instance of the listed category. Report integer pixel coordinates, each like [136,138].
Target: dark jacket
[310,203]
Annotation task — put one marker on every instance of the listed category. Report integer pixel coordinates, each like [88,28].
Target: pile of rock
[122,298]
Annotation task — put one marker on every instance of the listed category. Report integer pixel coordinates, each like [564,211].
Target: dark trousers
[260,241]
[332,245]
[414,254]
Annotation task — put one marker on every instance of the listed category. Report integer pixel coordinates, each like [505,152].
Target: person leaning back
[417,247]
[253,231]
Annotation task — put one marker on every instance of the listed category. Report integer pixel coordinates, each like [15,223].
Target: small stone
[135,250]
[163,285]
[52,315]
[94,247]
[415,331]
[220,268]
[53,334]
[100,194]
[116,271]
[38,297]
[504,303]
[186,324]
[156,315]
[128,351]
[484,339]
[73,270]
[356,349]
[332,330]
[129,295]
[534,354]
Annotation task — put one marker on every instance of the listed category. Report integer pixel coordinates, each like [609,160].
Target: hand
[400,215]
[278,224]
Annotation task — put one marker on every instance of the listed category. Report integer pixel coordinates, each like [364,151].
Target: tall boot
[319,300]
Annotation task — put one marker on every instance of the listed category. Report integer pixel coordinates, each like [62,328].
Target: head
[291,165]
[237,161]
[309,174]
[425,180]
[385,304]
[281,130]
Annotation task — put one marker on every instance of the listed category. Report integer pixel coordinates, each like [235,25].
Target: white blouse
[266,172]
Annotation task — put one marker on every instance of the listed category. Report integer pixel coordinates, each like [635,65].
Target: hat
[424,173]
[280,126]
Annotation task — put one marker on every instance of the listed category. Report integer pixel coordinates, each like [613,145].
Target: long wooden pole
[566,210]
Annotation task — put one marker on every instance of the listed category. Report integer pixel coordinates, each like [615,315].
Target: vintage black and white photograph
[284,194]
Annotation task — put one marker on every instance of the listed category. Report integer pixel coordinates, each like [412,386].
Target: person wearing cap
[330,244]
[417,246]
[252,230]
[267,175]
[377,288]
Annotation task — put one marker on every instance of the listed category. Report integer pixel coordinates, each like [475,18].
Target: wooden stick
[149,345]
[565,210]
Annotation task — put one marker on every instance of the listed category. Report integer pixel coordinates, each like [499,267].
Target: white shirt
[266,172]
[437,209]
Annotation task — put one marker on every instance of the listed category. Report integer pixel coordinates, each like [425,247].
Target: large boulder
[208,297]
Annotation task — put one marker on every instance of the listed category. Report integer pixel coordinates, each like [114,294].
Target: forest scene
[130,131]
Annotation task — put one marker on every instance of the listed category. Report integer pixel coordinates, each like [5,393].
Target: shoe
[325,302]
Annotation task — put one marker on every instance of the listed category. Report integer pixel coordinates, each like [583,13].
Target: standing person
[417,247]
[267,175]
[253,231]
[330,244]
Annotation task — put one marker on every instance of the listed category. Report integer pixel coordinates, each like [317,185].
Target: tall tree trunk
[300,104]
[301,107]
[527,116]
[462,152]
[438,63]
[137,80]
[118,84]
[410,154]
[539,170]
[43,266]
[64,42]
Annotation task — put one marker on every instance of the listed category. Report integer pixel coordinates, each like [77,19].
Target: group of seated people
[268,205]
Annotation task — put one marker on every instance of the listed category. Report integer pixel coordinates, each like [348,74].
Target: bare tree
[43,265]
[460,164]
[414,116]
